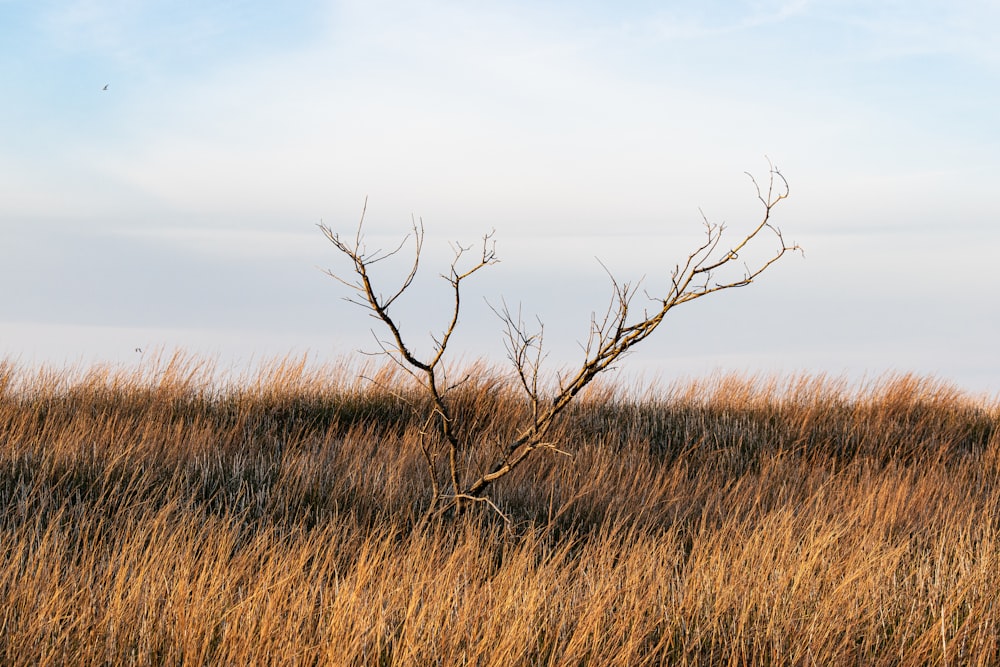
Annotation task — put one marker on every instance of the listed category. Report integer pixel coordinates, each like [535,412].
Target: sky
[178,208]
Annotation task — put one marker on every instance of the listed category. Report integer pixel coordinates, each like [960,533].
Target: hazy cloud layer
[184,197]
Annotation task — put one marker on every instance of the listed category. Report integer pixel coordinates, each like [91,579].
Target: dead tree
[620,328]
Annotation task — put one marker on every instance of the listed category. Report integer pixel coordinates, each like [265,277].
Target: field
[163,515]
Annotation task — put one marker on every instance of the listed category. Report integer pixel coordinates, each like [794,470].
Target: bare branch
[617,332]
[458,497]
[713,266]
[455,279]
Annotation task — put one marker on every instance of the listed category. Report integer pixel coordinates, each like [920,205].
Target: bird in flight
[105,86]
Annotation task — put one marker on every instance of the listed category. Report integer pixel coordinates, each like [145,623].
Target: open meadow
[162,515]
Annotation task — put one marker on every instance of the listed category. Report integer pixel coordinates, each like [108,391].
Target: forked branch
[620,329]
[611,335]
[438,423]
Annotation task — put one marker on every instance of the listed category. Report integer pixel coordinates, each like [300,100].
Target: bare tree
[620,328]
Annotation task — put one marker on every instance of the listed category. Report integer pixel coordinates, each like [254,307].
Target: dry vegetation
[164,516]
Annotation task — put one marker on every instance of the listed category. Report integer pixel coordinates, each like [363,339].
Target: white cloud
[573,133]
[701,20]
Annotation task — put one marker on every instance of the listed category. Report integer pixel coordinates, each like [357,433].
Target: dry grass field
[167,516]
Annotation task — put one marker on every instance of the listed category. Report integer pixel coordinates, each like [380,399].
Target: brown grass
[167,516]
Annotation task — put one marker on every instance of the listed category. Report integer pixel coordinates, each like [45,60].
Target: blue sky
[178,207]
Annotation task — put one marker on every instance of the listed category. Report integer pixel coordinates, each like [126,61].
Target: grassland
[165,516]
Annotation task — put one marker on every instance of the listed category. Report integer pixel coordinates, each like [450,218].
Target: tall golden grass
[166,515]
